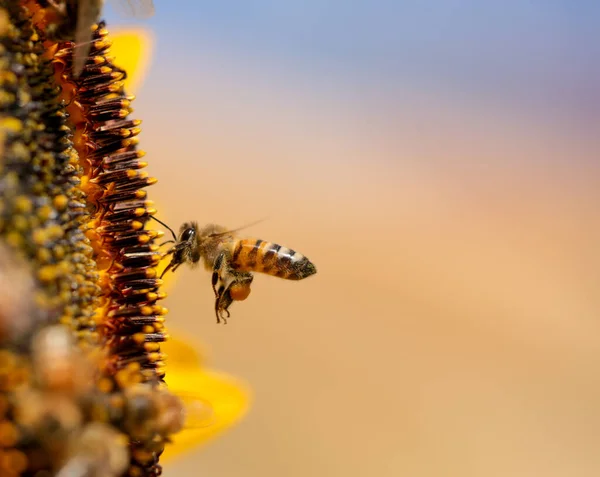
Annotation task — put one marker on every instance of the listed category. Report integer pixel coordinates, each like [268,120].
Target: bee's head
[188,232]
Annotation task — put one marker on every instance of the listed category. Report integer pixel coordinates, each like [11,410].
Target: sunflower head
[82,372]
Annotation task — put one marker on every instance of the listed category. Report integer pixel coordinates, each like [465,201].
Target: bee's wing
[227,232]
[140,9]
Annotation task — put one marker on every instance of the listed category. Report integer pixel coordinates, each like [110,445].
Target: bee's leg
[218,312]
[172,250]
[232,285]
[221,263]
[222,303]
[168,267]
[171,266]
[175,261]
[215,279]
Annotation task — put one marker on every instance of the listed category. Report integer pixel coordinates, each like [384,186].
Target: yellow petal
[183,355]
[132,49]
[228,398]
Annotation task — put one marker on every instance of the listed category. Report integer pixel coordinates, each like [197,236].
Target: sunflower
[83,342]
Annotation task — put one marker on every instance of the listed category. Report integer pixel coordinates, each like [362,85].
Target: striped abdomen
[255,255]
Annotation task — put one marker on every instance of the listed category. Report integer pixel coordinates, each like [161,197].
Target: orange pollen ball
[239,292]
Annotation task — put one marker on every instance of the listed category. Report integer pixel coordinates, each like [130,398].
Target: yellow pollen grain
[20,223]
[131,142]
[151,296]
[23,204]
[48,273]
[60,202]
[146,310]
[122,378]
[151,347]
[44,212]
[160,310]
[154,357]
[133,367]
[14,239]
[44,255]
[116,86]
[59,252]
[139,338]
[11,124]
[39,236]
[55,232]
[102,43]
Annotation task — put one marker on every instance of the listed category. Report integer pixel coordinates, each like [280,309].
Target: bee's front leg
[178,257]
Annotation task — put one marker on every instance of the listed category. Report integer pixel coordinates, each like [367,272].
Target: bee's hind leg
[222,303]
[228,284]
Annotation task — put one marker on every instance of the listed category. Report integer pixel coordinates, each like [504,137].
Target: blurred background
[438,161]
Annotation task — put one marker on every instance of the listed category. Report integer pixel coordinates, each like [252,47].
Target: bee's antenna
[236,230]
[165,225]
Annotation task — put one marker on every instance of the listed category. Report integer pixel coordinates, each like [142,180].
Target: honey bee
[73,19]
[232,261]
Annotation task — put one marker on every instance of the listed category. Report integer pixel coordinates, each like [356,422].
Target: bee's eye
[187,234]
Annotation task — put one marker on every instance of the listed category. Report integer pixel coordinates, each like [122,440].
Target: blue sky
[542,53]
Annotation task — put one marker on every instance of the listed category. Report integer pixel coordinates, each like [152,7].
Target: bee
[73,19]
[232,261]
